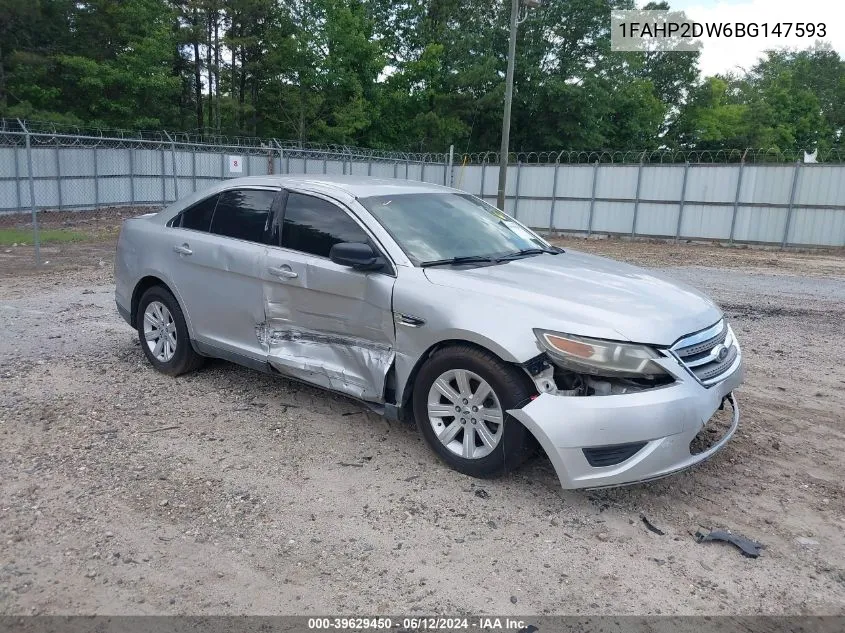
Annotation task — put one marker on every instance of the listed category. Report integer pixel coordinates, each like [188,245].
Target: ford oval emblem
[723,353]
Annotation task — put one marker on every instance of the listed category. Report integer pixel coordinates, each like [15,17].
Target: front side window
[312,225]
[438,226]
[198,216]
[243,213]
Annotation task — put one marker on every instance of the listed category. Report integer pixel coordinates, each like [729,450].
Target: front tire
[164,334]
[460,400]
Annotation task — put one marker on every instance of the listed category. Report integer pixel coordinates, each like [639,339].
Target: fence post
[407,162]
[281,154]
[369,165]
[132,175]
[58,175]
[36,238]
[97,178]
[683,201]
[18,180]
[173,160]
[194,167]
[593,199]
[554,195]
[736,197]
[222,165]
[451,172]
[163,176]
[395,167]
[305,162]
[483,173]
[791,203]
[637,196]
[516,190]
[325,165]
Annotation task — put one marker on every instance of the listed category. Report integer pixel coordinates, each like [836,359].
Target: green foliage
[414,76]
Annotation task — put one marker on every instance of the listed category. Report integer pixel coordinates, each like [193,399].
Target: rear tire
[459,394]
[163,333]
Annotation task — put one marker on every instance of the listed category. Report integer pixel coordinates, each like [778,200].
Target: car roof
[356,186]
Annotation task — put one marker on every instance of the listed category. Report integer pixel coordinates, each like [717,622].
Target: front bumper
[666,419]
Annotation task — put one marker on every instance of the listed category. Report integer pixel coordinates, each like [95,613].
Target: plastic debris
[749,548]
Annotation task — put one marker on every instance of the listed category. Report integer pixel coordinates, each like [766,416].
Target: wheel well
[140,288]
[407,393]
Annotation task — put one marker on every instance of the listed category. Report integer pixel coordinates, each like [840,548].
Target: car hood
[586,294]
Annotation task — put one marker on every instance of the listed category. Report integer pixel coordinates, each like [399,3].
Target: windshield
[437,226]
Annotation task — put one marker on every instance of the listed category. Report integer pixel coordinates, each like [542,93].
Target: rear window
[243,214]
[198,216]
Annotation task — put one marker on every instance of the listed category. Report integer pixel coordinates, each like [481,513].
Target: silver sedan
[428,304]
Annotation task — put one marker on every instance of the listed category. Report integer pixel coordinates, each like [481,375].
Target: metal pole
[554,195]
[58,175]
[18,179]
[325,165]
[97,178]
[131,175]
[163,176]
[593,198]
[305,163]
[483,172]
[637,196]
[683,201]
[395,167]
[222,165]
[506,119]
[451,171]
[736,197]
[194,167]
[36,239]
[407,163]
[516,192]
[173,160]
[791,203]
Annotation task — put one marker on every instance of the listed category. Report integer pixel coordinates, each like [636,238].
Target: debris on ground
[481,493]
[749,548]
[651,527]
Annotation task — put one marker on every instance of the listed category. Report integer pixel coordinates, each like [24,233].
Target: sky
[734,54]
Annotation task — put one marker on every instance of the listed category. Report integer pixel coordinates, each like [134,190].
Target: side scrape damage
[346,364]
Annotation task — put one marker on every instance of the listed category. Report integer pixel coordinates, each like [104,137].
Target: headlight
[599,357]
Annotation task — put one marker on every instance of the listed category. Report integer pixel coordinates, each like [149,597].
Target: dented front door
[325,323]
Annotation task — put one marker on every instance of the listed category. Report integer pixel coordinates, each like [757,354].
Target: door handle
[183,249]
[282,272]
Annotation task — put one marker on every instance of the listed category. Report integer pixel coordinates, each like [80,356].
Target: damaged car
[428,304]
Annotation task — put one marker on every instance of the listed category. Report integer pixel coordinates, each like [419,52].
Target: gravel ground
[227,491]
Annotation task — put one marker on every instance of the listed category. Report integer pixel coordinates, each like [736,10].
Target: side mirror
[356,255]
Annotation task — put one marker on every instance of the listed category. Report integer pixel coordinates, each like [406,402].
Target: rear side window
[243,213]
[313,226]
[198,217]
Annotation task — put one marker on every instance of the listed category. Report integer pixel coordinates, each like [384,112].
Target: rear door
[328,324]
[218,271]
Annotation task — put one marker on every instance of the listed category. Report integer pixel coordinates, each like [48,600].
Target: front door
[326,324]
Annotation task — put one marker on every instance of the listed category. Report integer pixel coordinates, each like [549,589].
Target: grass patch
[47,236]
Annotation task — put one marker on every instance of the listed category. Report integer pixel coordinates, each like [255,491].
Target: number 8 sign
[236,164]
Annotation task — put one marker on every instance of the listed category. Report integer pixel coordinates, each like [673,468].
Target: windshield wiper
[466,259]
[554,250]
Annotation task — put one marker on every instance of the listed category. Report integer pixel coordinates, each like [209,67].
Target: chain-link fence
[759,196]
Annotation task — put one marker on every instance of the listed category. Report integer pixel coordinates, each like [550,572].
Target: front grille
[708,354]
[611,455]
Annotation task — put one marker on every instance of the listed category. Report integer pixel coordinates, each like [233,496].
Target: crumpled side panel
[342,363]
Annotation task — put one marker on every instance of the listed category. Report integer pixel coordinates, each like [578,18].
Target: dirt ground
[123,491]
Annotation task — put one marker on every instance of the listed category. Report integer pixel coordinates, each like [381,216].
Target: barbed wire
[13,134]
[659,156]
